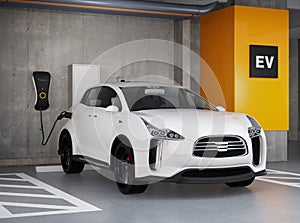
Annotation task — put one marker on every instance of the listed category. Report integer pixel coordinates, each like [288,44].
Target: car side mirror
[221,109]
[112,108]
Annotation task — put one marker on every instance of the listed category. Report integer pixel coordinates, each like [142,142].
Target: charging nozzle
[64,114]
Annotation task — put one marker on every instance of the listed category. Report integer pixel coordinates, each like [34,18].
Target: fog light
[254,132]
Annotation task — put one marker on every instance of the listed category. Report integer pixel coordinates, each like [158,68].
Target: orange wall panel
[216,50]
[225,38]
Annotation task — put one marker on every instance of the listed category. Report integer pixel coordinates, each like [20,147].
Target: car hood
[194,123]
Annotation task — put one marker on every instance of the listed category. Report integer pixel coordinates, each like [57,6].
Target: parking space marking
[3,211]
[280,177]
[11,179]
[20,186]
[28,195]
[75,205]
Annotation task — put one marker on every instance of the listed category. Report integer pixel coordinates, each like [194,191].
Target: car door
[106,123]
[84,123]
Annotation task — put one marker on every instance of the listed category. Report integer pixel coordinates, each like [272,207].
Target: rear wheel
[123,167]
[244,183]
[68,164]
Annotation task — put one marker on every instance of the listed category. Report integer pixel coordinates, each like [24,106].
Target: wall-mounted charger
[41,81]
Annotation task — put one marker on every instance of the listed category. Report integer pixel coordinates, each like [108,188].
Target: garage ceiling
[189,2]
[172,9]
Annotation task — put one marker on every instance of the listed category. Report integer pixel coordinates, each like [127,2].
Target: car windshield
[145,98]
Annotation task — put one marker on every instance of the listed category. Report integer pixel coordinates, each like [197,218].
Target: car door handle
[95,116]
[90,115]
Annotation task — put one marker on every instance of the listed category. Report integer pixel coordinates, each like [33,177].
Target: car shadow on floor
[164,190]
[194,191]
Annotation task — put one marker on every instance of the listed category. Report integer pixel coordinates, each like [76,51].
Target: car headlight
[253,122]
[255,129]
[162,133]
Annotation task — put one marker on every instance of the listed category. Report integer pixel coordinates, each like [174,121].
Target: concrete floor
[162,202]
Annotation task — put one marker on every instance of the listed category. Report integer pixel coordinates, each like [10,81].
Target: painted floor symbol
[282,178]
[24,196]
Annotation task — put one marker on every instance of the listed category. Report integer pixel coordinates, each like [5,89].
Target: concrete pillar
[293,133]
[195,47]
[187,33]
[277,4]
[178,25]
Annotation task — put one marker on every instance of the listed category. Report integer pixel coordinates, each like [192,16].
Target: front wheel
[244,183]
[68,164]
[123,166]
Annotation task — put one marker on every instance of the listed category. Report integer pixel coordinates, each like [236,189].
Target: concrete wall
[293,133]
[187,33]
[277,146]
[34,39]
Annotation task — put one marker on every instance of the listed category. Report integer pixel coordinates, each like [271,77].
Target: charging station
[41,81]
[81,77]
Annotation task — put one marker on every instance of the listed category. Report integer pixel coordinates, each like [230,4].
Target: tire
[68,164]
[244,183]
[123,167]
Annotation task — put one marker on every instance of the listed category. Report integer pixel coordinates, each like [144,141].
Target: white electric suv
[143,132]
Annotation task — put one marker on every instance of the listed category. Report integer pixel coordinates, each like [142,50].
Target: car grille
[220,146]
[226,172]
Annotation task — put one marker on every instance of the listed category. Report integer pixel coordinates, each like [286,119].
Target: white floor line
[78,205]
[283,172]
[29,195]
[7,174]
[12,179]
[30,205]
[4,211]
[58,168]
[283,178]
[20,186]
[272,178]
[48,169]
[297,185]
[70,211]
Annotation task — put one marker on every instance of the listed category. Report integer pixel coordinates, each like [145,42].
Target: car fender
[132,133]
[68,126]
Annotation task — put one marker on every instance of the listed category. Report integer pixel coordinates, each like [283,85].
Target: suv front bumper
[208,176]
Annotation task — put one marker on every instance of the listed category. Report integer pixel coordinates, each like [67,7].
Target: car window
[101,97]
[160,97]
[91,97]
[107,96]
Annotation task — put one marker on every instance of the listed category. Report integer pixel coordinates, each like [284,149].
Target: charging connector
[62,115]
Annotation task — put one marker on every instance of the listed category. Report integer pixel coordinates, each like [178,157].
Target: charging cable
[62,115]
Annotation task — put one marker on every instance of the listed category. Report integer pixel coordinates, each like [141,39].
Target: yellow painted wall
[266,99]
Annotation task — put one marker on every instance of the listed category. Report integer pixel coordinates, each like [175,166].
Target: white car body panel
[93,131]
